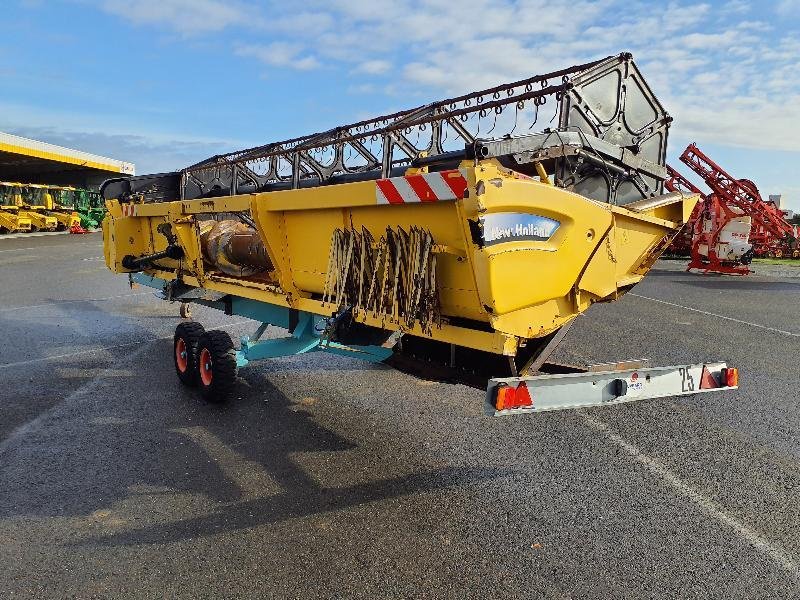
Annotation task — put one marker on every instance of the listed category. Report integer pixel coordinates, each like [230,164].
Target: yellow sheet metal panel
[521,256]
[308,235]
[12,221]
[633,241]
[309,232]
[600,276]
[344,195]
[515,269]
[540,319]
[40,220]
[124,235]
[66,219]
[8,221]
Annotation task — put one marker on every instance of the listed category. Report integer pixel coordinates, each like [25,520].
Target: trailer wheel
[187,336]
[216,366]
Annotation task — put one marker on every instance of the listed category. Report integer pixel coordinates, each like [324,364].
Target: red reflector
[707,380]
[513,397]
[732,377]
[523,396]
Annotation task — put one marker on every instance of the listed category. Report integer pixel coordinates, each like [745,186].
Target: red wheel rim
[181,356]
[206,373]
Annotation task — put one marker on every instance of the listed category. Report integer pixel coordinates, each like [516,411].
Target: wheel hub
[181,355]
[206,374]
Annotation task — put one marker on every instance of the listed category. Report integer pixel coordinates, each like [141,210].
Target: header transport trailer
[416,240]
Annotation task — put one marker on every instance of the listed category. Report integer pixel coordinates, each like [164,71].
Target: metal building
[32,161]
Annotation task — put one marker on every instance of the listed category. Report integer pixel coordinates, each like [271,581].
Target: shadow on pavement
[32,383]
[127,436]
[297,502]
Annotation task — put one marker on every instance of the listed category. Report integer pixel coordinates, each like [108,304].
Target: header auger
[413,240]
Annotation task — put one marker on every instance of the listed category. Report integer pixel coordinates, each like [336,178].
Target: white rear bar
[579,390]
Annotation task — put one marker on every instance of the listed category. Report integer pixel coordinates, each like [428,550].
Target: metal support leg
[306,337]
[302,340]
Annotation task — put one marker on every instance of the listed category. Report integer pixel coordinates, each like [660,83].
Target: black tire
[184,351]
[216,366]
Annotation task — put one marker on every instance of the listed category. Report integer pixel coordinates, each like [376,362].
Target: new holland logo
[512,227]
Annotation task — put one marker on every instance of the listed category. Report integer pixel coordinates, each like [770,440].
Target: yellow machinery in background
[44,198]
[34,204]
[12,219]
[463,263]
[12,222]
[32,207]
[27,202]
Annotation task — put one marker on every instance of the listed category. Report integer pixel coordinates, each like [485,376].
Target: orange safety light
[732,377]
[513,397]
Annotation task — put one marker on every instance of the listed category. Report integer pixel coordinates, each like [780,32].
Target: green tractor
[93,206]
[87,203]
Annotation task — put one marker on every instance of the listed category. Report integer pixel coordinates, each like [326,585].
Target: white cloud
[713,41]
[307,22]
[683,16]
[788,8]
[737,6]
[726,72]
[362,88]
[373,67]
[184,16]
[723,75]
[280,54]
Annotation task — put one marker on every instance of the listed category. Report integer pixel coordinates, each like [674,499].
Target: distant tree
[795,220]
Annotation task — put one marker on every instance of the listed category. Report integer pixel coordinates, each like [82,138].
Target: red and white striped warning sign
[425,187]
[128,210]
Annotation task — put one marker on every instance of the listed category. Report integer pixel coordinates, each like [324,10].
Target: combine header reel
[608,142]
[447,240]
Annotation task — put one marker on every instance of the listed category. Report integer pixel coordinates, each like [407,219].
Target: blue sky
[164,83]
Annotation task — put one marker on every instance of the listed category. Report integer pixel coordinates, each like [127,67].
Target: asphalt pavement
[325,477]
